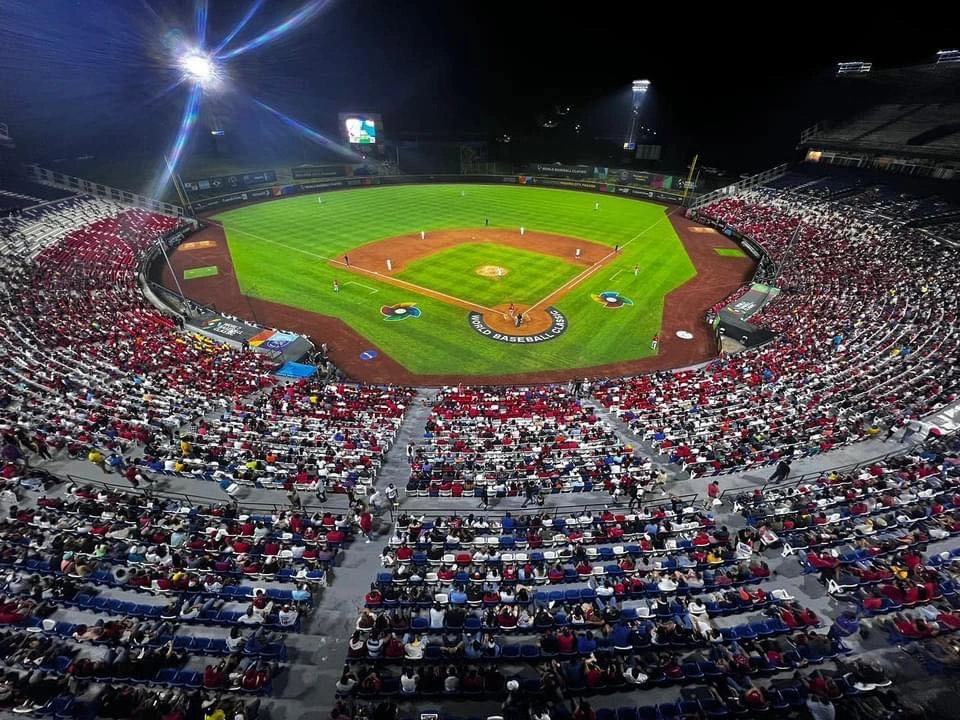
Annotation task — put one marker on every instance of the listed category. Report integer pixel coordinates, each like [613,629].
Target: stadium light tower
[639,90]
[205,71]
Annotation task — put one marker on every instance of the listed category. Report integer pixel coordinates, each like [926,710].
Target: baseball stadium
[357,377]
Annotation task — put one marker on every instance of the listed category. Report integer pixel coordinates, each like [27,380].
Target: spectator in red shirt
[366,525]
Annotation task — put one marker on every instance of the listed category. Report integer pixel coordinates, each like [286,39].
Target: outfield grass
[528,276]
[282,251]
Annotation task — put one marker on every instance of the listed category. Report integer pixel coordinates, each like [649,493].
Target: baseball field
[461,280]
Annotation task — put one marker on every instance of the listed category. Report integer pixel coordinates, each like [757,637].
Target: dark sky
[734,84]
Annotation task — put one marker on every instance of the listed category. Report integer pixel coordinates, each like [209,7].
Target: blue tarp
[296,370]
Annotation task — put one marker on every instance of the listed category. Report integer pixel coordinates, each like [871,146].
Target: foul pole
[686,187]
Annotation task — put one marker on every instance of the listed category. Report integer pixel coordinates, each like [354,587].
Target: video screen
[361,130]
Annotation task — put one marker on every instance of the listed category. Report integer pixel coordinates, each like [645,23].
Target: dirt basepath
[684,308]
[384,259]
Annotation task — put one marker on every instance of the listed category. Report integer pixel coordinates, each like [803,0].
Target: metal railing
[194,499]
[810,132]
[745,184]
[688,499]
[99,190]
[798,480]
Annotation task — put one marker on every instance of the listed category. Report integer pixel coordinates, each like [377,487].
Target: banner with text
[228,182]
[311,172]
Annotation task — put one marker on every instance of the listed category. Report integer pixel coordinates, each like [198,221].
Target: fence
[688,499]
[194,499]
[807,133]
[813,476]
[104,192]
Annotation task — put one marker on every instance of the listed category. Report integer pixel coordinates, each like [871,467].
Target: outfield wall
[323,185]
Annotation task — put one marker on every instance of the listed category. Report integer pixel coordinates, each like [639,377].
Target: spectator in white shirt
[413,649]
[409,681]
[287,616]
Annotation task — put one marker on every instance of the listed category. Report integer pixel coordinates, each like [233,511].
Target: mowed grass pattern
[528,276]
[282,251]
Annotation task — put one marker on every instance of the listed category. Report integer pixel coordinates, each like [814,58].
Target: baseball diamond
[428,245]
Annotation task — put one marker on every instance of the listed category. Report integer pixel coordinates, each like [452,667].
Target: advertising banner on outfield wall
[219,200]
[309,172]
[557,182]
[613,176]
[668,197]
[230,182]
[650,194]
[571,171]
[325,185]
[629,177]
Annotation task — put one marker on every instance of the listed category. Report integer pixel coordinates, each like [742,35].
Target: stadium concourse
[185,535]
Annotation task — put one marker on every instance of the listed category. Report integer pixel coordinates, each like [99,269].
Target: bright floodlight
[641,86]
[199,68]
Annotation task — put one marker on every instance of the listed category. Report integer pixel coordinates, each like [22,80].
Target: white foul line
[375,273]
[572,283]
[284,245]
[371,289]
[616,273]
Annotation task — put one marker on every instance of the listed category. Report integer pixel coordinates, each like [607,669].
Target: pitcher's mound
[491,271]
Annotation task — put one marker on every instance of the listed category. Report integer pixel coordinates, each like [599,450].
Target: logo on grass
[612,299]
[400,311]
[557,326]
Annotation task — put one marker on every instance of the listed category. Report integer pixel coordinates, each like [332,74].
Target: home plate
[684,335]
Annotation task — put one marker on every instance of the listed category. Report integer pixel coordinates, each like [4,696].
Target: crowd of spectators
[306,435]
[95,366]
[488,442]
[868,338]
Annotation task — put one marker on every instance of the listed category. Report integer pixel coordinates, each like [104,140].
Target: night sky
[736,86]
